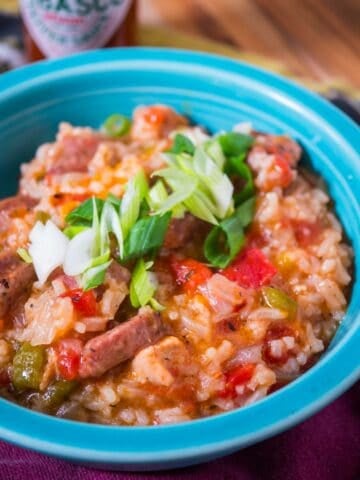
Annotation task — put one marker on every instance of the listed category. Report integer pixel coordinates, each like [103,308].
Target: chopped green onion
[248,190]
[146,236]
[245,212]
[176,198]
[110,222]
[276,298]
[94,276]
[215,180]
[157,195]
[136,191]
[96,247]
[142,287]
[72,231]
[24,255]
[101,259]
[156,305]
[116,125]
[226,240]
[234,143]
[182,144]
[175,177]
[83,214]
[214,150]
[114,200]
[234,164]
[200,206]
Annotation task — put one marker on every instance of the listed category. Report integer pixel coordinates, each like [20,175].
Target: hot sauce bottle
[56,28]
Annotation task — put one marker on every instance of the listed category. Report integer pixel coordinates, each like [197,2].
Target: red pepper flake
[251,269]
[190,273]
[68,355]
[84,302]
[237,376]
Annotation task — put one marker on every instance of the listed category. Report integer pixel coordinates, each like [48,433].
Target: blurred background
[315,41]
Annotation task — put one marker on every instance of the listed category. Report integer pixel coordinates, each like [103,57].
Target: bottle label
[62,27]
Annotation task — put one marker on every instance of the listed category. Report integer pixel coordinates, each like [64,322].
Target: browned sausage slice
[180,231]
[73,150]
[121,343]
[16,278]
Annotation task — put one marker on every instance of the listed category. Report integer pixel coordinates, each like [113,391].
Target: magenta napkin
[325,447]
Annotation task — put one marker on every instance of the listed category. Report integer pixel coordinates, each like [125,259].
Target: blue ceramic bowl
[217,93]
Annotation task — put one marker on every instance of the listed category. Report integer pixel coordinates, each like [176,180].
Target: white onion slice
[79,253]
[47,249]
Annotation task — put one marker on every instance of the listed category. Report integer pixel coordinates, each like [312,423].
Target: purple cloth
[325,447]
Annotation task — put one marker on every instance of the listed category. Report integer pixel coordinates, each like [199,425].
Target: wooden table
[318,39]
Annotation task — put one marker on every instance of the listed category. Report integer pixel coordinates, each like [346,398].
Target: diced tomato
[68,355]
[283,166]
[275,332]
[251,269]
[237,376]
[84,302]
[156,114]
[306,232]
[190,273]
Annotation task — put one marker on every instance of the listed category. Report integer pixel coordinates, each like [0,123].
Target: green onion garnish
[24,255]
[146,236]
[142,286]
[136,191]
[182,144]
[226,240]
[234,143]
[116,125]
[84,213]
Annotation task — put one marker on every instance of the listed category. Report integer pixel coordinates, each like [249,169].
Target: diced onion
[47,249]
[79,254]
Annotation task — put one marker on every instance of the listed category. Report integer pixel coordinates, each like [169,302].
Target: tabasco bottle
[55,28]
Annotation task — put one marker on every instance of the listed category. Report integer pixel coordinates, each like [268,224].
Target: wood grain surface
[313,39]
[318,39]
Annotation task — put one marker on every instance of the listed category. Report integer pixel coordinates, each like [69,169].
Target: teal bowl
[217,93]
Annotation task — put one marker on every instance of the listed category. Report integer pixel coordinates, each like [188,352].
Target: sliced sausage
[16,278]
[181,230]
[121,343]
[73,150]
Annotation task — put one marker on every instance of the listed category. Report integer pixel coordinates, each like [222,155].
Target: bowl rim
[119,444]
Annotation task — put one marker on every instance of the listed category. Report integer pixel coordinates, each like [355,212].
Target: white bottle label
[62,27]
